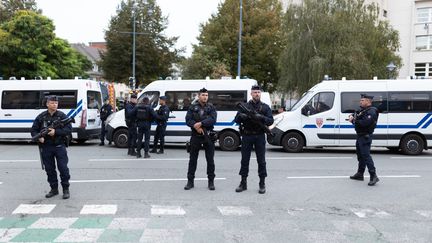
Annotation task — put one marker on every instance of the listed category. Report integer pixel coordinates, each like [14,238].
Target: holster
[188,146]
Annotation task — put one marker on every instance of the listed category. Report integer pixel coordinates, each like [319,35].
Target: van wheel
[293,142]
[412,144]
[229,141]
[120,138]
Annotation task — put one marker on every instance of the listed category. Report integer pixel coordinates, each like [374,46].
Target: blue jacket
[205,114]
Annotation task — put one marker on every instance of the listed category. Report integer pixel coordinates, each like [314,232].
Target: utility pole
[240,40]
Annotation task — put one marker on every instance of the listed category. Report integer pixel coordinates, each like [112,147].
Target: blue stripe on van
[16,121]
[427,123]
[72,111]
[217,123]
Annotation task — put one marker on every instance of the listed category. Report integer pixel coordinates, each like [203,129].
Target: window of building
[319,103]
[423,69]
[424,42]
[351,101]
[385,13]
[409,102]
[424,15]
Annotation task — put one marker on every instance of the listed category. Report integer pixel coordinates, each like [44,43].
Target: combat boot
[161,151]
[66,193]
[54,191]
[243,185]
[129,151]
[358,176]
[154,150]
[211,185]
[133,152]
[373,179]
[189,185]
[138,154]
[262,188]
[146,155]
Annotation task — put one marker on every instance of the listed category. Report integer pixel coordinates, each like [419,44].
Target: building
[93,55]
[413,20]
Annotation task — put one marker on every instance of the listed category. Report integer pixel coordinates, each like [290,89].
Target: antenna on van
[48,78]
[237,77]
[343,78]
[207,78]
[375,78]
[77,77]
[12,78]
[179,78]
[22,78]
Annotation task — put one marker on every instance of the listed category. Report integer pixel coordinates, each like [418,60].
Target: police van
[224,94]
[320,117]
[22,100]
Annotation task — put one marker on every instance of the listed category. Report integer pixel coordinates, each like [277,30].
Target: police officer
[161,120]
[105,111]
[131,124]
[54,147]
[253,136]
[201,118]
[365,121]
[144,114]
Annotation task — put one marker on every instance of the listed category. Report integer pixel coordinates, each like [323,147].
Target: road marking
[1,182]
[305,158]
[293,211]
[53,223]
[168,159]
[129,223]
[99,209]
[79,235]
[34,209]
[345,177]
[368,213]
[7,235]
[412,157]
[140,180]
[424,213]
[18,160]
[187,159]
[167,210]
[234,211]
[162,235]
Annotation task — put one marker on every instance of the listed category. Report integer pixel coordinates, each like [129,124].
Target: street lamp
[240,40]
[390,68]
[134,8]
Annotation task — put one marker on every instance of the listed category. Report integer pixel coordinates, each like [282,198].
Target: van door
[319,118]
[94,103]
[178,102]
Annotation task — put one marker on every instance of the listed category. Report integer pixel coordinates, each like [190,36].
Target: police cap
[163,97]
[203,90]
[52,98]
[365,96]
[256,87]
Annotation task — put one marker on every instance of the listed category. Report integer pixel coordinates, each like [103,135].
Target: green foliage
[155,53]
[218,42]
[29,48]
[9,7]
[340,38]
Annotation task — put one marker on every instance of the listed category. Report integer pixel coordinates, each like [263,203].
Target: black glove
[259,117]
[243,116]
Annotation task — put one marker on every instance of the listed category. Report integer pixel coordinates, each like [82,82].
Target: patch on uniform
[319,122]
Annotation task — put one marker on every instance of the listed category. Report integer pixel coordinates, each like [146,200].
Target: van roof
[369,84]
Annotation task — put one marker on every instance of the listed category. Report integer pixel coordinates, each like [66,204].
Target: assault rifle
[242,108]
[45,131]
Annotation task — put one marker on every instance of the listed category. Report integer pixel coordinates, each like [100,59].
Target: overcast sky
[84,21]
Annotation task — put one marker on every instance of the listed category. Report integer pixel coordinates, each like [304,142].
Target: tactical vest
[361,115]
[47,121]
[250,127]
[143,113]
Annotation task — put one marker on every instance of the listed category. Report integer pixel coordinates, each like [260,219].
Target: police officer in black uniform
[131,124]
[365,121]
[105,112]
[253,135]
[144,114]
[54,147]
[201,118]
[161,120]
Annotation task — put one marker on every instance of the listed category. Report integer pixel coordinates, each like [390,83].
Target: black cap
[133,95]
[52,98]
[163,97]
[256,87]
[203,90]
[365,96]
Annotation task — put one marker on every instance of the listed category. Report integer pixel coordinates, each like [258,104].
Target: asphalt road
[309,198]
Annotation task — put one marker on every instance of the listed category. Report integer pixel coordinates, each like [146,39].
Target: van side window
[319,103]
[179,100]
[410,102]
[350,101]
[153,97]
[227,100]
[94,100]
[20,99]
[66,99]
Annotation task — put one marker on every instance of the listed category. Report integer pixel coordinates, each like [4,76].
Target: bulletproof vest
[104,112]
[200,114]
[47,121]
[251,126]
[143,113]
[362,115]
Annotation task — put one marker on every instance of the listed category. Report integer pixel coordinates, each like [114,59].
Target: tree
[9,7]
[155,53]
[29,48]
[340,38]
[261,42]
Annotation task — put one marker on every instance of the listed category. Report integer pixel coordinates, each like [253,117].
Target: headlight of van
[277,119]
[110,117]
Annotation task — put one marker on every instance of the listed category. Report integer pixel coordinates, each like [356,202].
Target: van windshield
[304,97]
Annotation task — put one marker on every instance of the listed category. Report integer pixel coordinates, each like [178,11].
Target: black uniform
[253,135]
[206,114]
[144,114]
[54,149]
[132,127]
[365,121]
[161,120]
[105,111]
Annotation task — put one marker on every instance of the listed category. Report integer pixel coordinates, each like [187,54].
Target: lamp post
[240,40]
[390,68]
[133,44]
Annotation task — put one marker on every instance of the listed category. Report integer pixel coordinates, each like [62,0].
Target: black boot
[129,151]
[138,154]
[66,193]
[243,185]
[211,185]
[373,179]
[154,150]
[189,185]
[358,176]
[133,152]
[146,155]
[54,191]
[262,188]
[161,149]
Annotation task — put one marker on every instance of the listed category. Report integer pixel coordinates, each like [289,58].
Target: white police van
[224,94]
[22,100]
[320,117]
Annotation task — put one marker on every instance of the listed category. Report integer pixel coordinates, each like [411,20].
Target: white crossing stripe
[293,211]
[305,158]
[234,211]
[18,160]
[128,223]
[7,235]
[346,177]
[412,157]
[167,210]
[53,223]
[162,235]
[424,213]
[167,159]
[370,213]
[140,180]
[99,209]
[1,182]
[34,209]
[79,235]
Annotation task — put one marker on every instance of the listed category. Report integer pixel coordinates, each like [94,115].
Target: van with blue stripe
[224,94]
[22,100]
[320,117]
